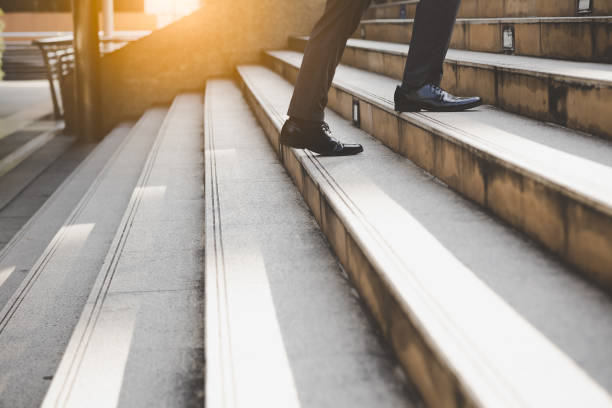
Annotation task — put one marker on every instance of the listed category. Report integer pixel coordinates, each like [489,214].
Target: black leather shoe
[315,136]
[432,98]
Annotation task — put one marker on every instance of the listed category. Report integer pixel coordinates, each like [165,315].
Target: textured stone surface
[27,244]
[38,320]
[574,38]
[21,187]
[494,164]
[569,93]
[142,324]
[19,95]
[387,190]
[497,8]
[297,334]
[209,43]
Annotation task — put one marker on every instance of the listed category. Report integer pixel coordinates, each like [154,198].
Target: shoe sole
[413,108]
[302,146]
[323,154]
[353,153]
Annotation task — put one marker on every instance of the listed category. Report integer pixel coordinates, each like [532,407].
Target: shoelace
[326,129]
[438,91]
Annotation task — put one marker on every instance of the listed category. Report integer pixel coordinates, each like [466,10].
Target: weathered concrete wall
[206,44]
[31,22]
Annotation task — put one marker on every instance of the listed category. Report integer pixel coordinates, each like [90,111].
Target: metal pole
[108,17]
[87,68]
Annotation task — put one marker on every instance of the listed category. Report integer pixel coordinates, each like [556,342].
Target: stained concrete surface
[570,311]
[33,195]
[273,248]
[36,324]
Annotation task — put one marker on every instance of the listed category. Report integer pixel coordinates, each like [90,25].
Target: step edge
[499,20]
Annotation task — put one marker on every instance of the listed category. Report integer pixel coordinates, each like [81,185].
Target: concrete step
[538,178]
[419,255]
[283,328]
[38,319]
[500,8]
[391,10]
[19,255]
[25,155]
[53,165]
[572,94]
[569,38]
[18,96]
[17,147]
[22,61]
[25,116]
[148,291]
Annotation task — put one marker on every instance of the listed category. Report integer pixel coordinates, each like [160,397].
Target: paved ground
[25,185]
[19,95]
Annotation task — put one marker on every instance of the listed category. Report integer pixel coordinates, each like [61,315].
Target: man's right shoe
[315,136]
[431,97]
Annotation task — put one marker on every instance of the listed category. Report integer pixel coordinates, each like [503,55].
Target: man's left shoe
[315,136]
[431,97]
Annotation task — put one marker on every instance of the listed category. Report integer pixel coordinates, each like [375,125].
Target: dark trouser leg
[433,27]
[322,55]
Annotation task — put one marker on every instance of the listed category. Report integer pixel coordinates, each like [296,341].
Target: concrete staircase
[35,153]
[389,9]
[22,61]
[463,260]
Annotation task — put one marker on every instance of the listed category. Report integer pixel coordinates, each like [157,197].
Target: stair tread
[147,291]
[28,162]
[20,254]
[47,169]
[37,321]
[299,319]
[15,140]
[18,96]
[587,72]
[437,236]
[535,147]
[21,119]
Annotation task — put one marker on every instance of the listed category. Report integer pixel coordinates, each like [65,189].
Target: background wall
[48,21]
[208,43]
[63,5]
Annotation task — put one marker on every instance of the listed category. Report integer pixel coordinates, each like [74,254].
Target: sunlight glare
[5,273]
[171,10]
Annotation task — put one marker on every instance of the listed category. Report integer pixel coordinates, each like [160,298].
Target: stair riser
[572,227]
[562,100]
[580,41]
[502,8]
[436,382]
[390,12]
